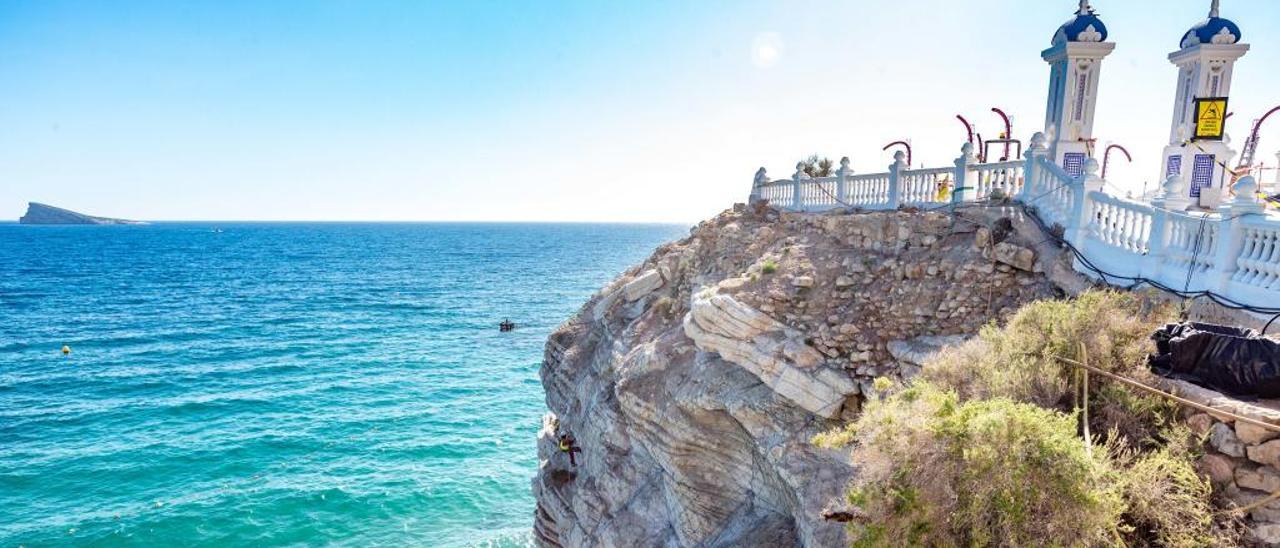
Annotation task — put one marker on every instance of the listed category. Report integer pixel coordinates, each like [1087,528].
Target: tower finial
[1085,9]
[1213,8]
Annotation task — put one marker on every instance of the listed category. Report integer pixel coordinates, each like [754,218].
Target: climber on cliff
[567,445]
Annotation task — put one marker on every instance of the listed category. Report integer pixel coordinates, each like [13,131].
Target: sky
[653,111]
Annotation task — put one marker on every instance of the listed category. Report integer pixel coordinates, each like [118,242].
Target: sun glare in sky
[766,49]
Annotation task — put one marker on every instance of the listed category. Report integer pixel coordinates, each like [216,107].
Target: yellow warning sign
[1211,118]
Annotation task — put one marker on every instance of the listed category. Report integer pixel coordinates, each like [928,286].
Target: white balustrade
[1120,223]
[922,186]
[818,194]
[1051,193]
[1236,254]
[1258,265]
[1191,243]
[868,191]
[777,192]
[1004,176]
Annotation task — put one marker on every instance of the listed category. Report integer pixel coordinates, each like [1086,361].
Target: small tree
[818,166]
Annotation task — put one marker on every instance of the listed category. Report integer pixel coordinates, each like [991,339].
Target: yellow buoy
[66,350]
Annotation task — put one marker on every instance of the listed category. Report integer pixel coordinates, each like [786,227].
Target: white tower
[1075,62]
[1208,52]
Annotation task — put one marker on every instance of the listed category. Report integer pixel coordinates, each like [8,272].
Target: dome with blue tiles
[1084,27]
[1214,30]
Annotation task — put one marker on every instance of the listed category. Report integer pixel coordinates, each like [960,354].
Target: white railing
[1003,176]
[1234,253]
[925,186]
[1258,264]
[1050,192]
[1119,223]
[867,191]
[819,193]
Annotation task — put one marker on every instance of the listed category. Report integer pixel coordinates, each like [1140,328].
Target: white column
[895,179]
[962,191]
[1173,198]
[1231,234]
[797,201]
[1031,171]
[1079,219]
[842,181]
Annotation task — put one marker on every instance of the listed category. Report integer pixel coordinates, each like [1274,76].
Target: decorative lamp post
[1106,158]
[905,145]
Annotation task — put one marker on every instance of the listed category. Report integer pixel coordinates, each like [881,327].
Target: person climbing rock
[567,445]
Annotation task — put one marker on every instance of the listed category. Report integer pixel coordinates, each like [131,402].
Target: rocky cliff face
[41,214]
[693,383]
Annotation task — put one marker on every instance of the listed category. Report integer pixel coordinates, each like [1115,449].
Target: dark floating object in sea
[506,325]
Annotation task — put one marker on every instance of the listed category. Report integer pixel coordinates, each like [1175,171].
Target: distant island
[42,214]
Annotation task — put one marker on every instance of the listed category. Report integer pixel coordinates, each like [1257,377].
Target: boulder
[1267,453]
[1016,256]
[1261,478]
[1219,468]
[1253,434]
[1224,439]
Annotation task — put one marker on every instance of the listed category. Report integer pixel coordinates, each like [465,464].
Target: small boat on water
[506,325]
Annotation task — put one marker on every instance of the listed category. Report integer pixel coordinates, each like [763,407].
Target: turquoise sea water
[283,383]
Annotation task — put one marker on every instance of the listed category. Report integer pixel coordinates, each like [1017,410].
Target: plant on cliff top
[817,166]
[938,471]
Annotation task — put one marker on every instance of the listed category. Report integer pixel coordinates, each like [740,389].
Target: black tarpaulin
[1232,360]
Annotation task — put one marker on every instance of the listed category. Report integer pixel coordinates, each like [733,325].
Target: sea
[283,384]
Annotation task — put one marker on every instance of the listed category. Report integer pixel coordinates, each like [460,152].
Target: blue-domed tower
[1075,61]
[1206,56]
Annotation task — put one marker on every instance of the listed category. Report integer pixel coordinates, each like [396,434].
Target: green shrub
[769,266]
[1169,502]
[938,471]
[1110,330]
[985,449]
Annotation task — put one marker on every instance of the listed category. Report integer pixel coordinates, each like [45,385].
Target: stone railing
[1233,252]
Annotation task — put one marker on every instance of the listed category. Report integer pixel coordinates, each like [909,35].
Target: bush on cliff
[938,471]
[984,447]
[1107,329]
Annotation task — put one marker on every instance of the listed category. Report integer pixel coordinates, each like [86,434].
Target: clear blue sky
[641,111]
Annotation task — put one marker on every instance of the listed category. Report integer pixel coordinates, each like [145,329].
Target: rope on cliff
[1177,399]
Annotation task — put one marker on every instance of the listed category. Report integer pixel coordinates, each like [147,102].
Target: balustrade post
[1172,198]
[895,179]
[1080,219]
[842,182]
[1231,233]
[757,185]
[797,200]
[1030,172]
[963,192]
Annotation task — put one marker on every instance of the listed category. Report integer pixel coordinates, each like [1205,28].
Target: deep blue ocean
[283,383]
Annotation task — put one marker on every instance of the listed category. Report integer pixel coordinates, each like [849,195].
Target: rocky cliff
[693,383]
[41,214]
